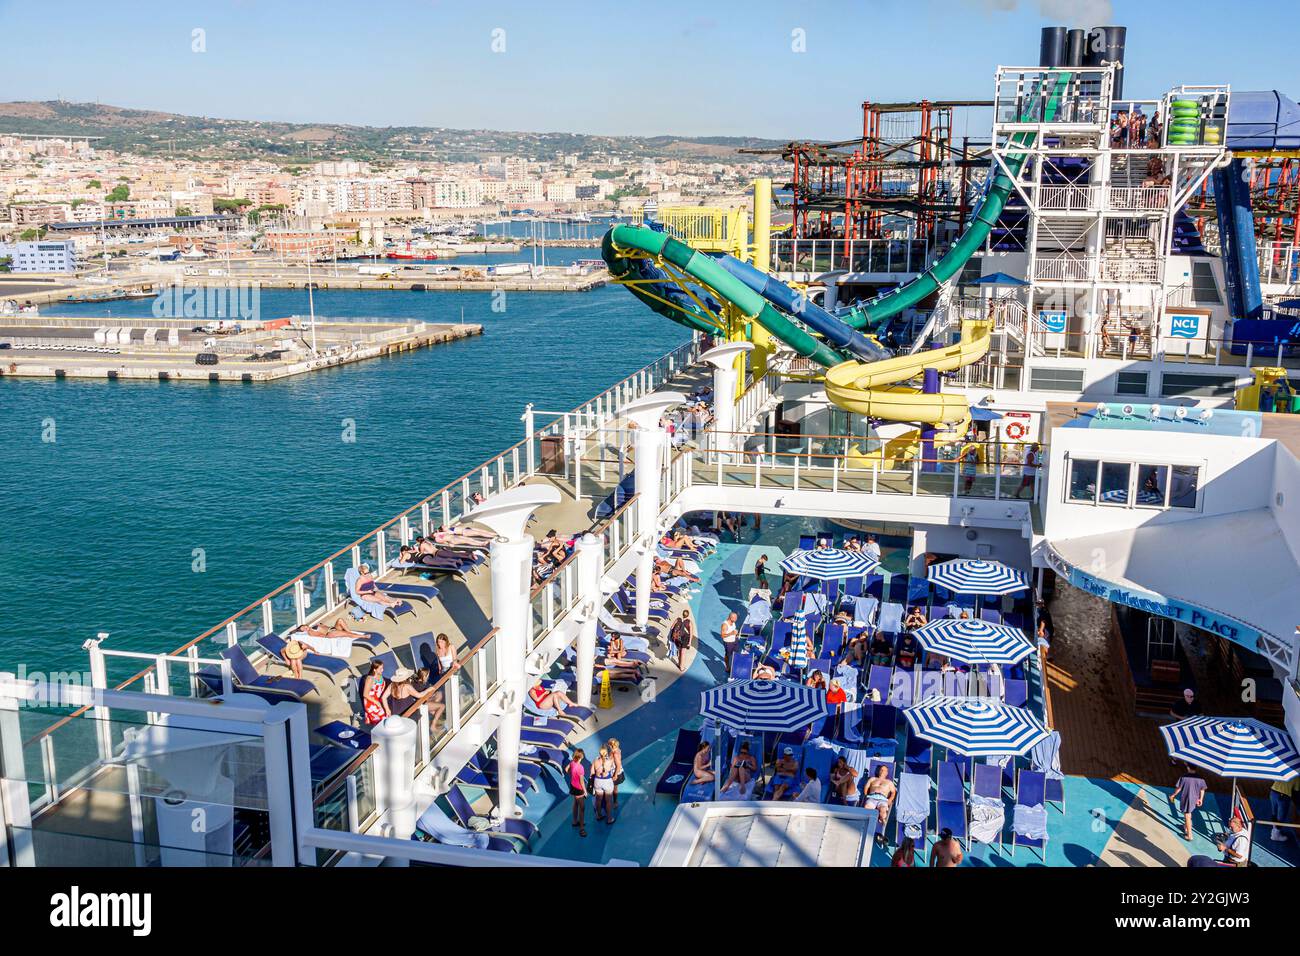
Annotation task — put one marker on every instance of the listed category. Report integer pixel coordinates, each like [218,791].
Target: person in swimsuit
[617,663]
[879,796]
[293,652]
[947,851]
[743,767]
[760,573]
[702,768]
[577,775]
[915,619]
[844,785]
[549,699]
[374,694]
[784,773]
[905,855]
[616,755]
[368,588]
[602,777]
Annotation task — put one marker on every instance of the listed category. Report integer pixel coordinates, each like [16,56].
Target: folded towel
[1030,822]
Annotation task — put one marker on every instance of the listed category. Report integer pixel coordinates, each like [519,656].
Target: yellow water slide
[875,388]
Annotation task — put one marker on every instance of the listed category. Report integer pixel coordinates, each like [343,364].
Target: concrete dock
[169,349]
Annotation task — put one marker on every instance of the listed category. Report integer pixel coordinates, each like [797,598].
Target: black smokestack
[1075,43]
[1051,49]
[1106,45]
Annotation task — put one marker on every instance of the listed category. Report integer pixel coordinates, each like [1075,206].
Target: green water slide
[627,251]
[874,314]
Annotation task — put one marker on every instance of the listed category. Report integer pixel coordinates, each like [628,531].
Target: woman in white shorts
[603,771]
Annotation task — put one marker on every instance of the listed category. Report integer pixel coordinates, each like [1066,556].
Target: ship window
[1210,386]
[1114,482]
[1183,486]
[1083,480]
[1153,480]
[1056,379]
[1131,383]
[1205,291]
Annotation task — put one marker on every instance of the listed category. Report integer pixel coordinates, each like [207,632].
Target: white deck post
[590,552]
[507,514]
[395,768]
[723,359]
[649,440]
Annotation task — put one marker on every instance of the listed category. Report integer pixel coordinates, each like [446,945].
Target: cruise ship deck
[93,775]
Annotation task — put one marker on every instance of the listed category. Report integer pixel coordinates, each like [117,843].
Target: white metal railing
[1068,198]
[855,255]
[1062,268]
[1130,269]
[1137,198]
[1279,263]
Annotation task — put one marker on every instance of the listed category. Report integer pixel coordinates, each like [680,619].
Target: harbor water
[153,511]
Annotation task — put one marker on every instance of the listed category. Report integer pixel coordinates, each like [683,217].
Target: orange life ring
[1016,430]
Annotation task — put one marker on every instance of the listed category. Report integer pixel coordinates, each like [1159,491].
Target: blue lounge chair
[1017,692]
[832,641]
[488,767]
[679,768]
[986,791]
[517,829]
[891,618]
[950,803]
[883,731]
[1029,815]
[792,603]
[269,687]
[742,666]
[992,615]
[574,713]
[902,687]
[918,754]
[878,679]
[345,735]
[411,592]
[912,810]
[363,606]
[820,760]
[853,587]
[331,667]
[874,586]
[897,592]
[807,542]
[543,727]
[434,827]
[1045,758]
[792,790]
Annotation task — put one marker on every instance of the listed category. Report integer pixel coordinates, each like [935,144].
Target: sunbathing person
[857,645]
[816,680]
[552,548]
[764,672]
[702,768]
[879,796]
[844,785]
[549,699]
[784,773]
[617,663]
[681,573]
[915,618]
[423,681]
[908,649]
[368,588]
[463,537]
[293,652]
[743,767]
[340,628]
[678,541]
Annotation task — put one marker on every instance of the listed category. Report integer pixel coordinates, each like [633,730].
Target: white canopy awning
[1232,574]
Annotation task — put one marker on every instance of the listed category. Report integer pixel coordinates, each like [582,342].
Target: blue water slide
[797,304]
[1237,241]
[1262,121]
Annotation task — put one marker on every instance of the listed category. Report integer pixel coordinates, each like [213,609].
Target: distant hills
[203,137]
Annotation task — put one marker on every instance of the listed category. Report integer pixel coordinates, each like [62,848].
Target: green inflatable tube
[873,314]
[705,270]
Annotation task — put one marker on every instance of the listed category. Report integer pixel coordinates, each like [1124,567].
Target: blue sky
[643,67]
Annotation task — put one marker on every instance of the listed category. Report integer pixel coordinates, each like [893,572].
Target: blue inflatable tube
[837,333]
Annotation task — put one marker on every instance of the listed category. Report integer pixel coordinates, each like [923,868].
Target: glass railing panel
[284,613]
[313,589]
[855,479]
[249,626]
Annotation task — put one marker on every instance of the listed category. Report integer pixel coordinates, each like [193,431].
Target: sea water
[155,510]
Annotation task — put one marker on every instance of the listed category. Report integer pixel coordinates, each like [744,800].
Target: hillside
[149,131]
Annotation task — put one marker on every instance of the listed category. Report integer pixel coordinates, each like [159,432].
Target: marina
[934,508]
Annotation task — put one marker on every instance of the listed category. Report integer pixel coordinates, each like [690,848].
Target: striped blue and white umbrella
[830,564]
[973,641]
[973,576]
[799,640]
[976,726]
[780,706]
[1233,747]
